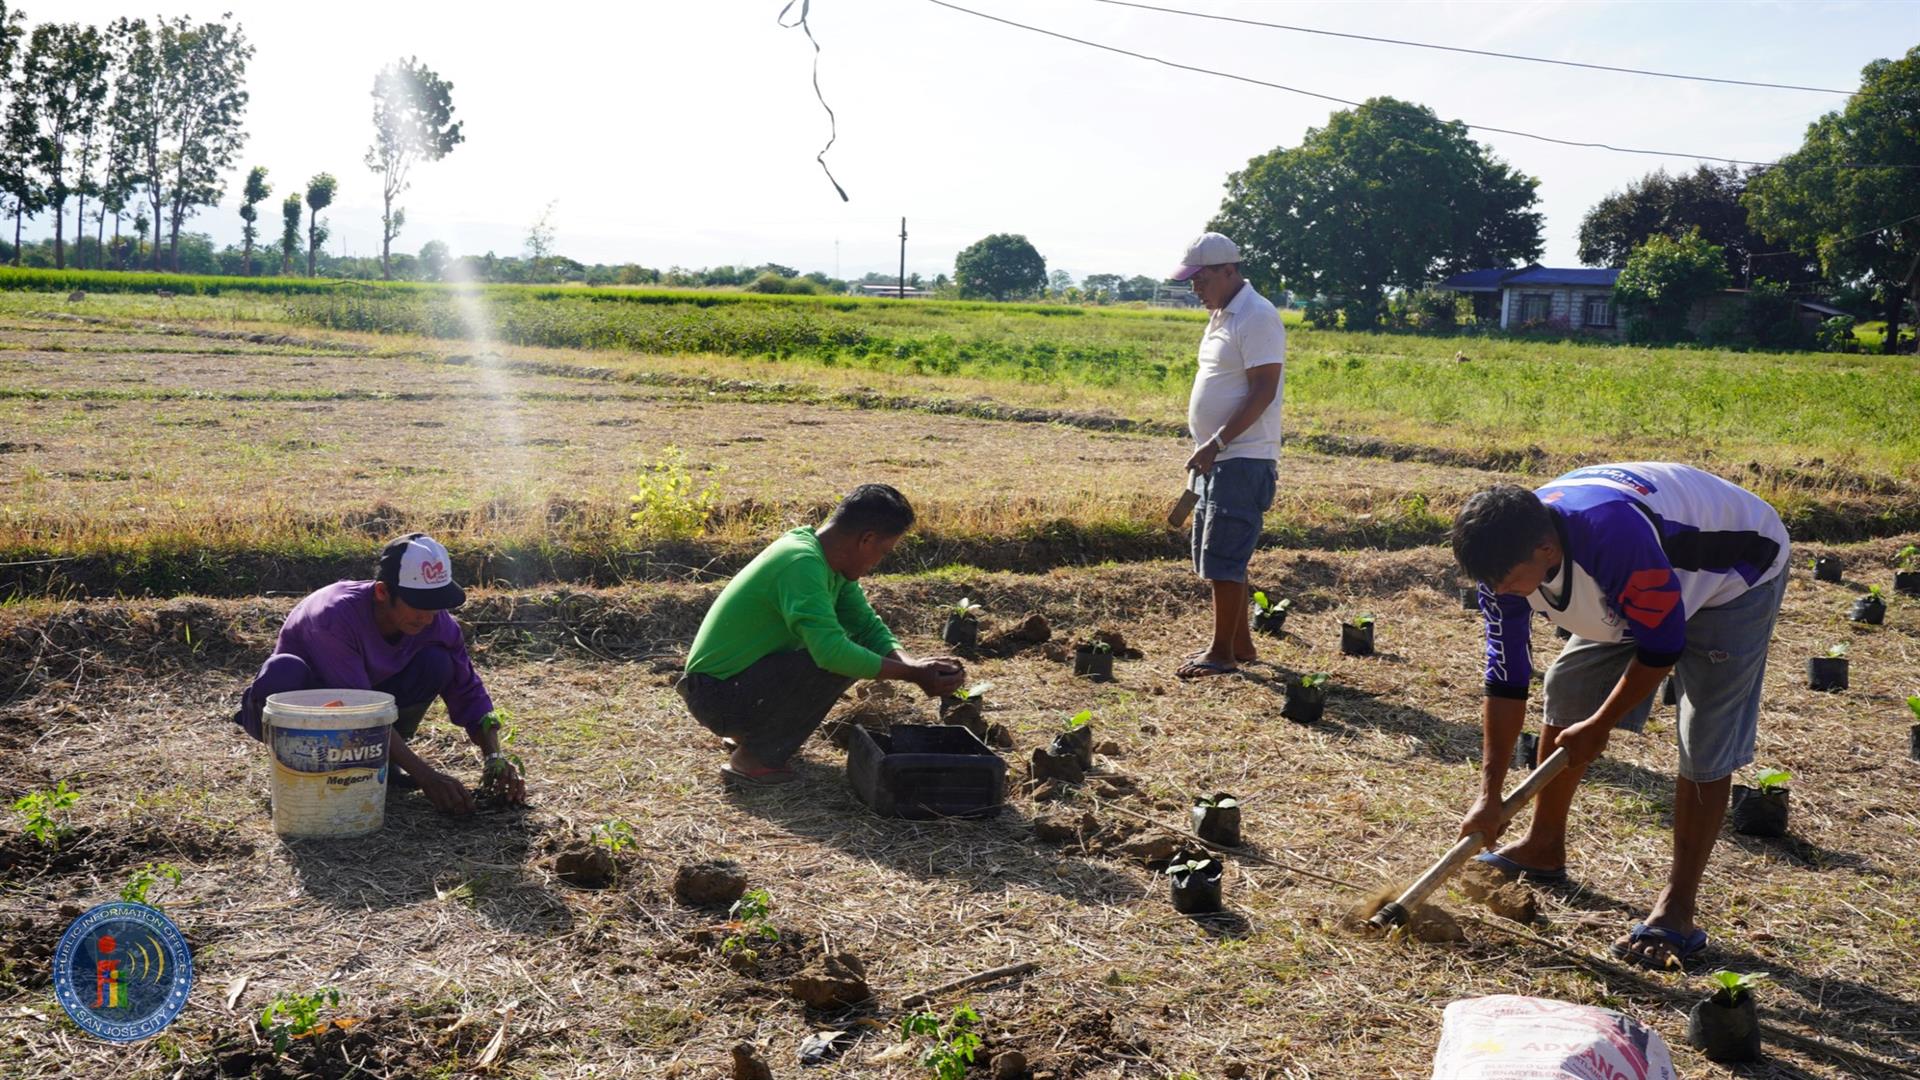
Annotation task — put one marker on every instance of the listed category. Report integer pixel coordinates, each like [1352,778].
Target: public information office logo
[122,971]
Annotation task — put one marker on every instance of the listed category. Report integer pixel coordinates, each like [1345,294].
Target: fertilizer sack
[1508,1037]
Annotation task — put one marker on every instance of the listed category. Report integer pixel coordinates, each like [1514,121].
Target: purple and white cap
[1208,249]
[419,571]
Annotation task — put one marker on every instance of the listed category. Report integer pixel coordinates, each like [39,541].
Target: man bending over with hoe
[1653,568]
[392,634]
[793,630]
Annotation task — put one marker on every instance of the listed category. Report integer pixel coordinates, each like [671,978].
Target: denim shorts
[1718,677]
[1234,498]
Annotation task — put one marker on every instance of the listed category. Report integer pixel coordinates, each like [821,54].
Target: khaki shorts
[1718,677]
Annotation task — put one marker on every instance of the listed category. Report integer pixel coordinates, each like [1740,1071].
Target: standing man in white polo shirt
[1234,416]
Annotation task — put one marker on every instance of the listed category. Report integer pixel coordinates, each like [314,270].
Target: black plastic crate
[926,771]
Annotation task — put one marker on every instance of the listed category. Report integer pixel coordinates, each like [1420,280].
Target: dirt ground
[436,928]
[463,941]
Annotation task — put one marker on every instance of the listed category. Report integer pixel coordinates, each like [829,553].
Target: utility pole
[903,258]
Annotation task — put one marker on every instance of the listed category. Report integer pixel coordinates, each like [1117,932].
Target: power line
[1471,52]
[1842,240]
[1361,104]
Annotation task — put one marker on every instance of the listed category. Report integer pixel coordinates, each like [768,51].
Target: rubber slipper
[769,778]
[729,744]
[1680,947]
[1524,873]
[1197,669]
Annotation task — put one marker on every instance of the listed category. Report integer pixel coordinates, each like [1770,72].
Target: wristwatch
[1218,444]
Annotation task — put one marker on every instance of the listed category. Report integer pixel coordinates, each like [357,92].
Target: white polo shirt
[1245,334]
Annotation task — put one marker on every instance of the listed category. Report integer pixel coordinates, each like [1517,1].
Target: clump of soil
[1504,897]
[835,981]
[712,883]
[1064,828]
[1063,767]
[1009,1065]
[26,951]
[748,1064]
[1425,922]
[1031,631]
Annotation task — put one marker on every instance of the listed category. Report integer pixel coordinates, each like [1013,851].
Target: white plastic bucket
[329,760]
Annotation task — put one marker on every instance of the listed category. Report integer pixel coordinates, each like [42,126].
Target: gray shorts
[1718,677]
[1233,504]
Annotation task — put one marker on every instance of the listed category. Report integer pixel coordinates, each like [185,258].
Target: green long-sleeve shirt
[789,598]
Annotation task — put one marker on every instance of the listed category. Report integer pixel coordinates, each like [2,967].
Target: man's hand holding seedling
[936,676]
[502,772]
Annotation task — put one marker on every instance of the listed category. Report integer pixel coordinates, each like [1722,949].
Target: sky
[668,132]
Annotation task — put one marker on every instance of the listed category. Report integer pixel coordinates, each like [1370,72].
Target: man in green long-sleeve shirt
[793,630]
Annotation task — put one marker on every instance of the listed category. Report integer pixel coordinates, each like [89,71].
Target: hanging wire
[833,125]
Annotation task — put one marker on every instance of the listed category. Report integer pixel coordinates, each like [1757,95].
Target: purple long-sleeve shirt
[334,632]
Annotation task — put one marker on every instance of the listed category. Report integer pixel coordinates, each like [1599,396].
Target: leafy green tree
[202,69]
[1059,282]
[1814,199]
[434,260]
[412,122]
[290,214]
[1384,196]
[1000,266]
[320,191]
[1138,287]
[1707,199]
[1665,275]
[256,192]
[19,196]
[65,68]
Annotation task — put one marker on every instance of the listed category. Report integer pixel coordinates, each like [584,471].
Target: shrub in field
[954,1043]
[665,503]
[750,920]
[43,814]
[289,1016]
[143,880]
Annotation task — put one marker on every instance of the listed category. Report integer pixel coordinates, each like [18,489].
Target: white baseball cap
[1208,249]
[419,571]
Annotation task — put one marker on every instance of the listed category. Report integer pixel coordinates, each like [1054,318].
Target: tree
[1103,287]
[16,174]
[320,191]
[434,259]
[1384,196]
[1001,265]
[65,69]
[412,122]
[290,211]
[1707,199]
[255,193]
[1665,276]
[540,242]
[1864,223]
[1059,282]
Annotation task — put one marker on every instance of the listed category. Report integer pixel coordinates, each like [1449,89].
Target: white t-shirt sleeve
[1262,341]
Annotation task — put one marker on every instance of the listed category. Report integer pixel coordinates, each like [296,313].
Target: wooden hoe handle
[1469,845]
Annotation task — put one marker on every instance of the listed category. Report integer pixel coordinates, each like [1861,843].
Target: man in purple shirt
[392,634]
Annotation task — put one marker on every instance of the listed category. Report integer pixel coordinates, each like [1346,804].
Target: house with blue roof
[1542,298]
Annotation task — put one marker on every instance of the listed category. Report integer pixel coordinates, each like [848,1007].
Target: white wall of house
[1561,304]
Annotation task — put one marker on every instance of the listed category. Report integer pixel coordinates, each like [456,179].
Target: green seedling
[1226,803]
[1734,984]
[1080,719]
[955,1043]
[665,502]
[1767,780]
[1191,866]
[965,609]
[289,1016]
[495,773]
[1913,705]
[968,693]
[615,835]
[1907,558]
[749,916]
[1101,648]
[1837,651]
[1360,622]
[43,814]
[1874,591]
[1317,679]
[1265,606]
[143,879]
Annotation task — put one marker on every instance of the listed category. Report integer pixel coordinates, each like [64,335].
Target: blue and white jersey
[1646,545]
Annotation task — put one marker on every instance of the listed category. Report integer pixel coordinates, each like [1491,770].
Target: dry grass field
[459,941]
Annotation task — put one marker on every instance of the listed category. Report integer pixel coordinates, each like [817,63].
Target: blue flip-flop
[1682,947]
[1524,873]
